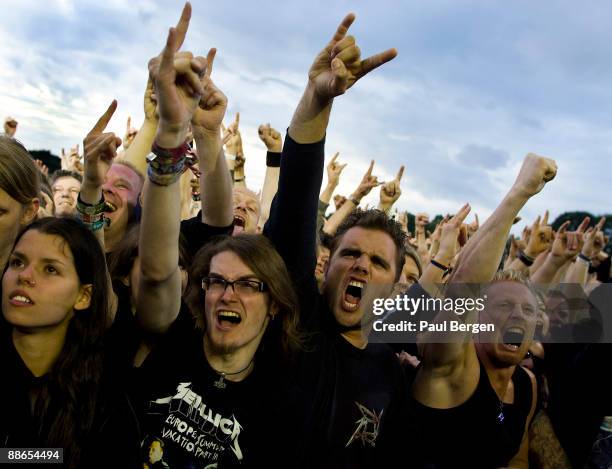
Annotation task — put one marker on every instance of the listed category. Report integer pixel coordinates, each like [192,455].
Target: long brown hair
[67,406]
[258,253]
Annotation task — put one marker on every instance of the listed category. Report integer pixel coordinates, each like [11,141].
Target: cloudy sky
[477,84]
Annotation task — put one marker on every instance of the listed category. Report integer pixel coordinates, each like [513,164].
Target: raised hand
[535,172]
[594,240]
[567,244]
[368,182]
[232,138]
[177,83]
[391,191]
[339,201]
[540,238]
[130,133]
[472,228]
[271,138]
[450,232]
[46,209]
[339,65]
[334,170]
[402,219]
[208,116]
[100,149]
[421,221]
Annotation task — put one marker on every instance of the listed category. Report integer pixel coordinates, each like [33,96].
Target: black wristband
[439,266]
[525,259]
[273,159]
[584,258]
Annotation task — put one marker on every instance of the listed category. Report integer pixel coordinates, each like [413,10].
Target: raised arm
[368,182]
[440,262]
[482,253]
[390,192]
[137,151]
[274,143]
[540,239]
[215,180]
[100,150]
[478,263]
[565,248]
[159,295]
[294,210]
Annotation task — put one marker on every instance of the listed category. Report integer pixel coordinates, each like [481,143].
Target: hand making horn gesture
[130,134]
[391,191]
[232,138]
[176,78]
[334,170]
[368,182]
[339,65]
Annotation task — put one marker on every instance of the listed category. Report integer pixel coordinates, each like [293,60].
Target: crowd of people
[159,313]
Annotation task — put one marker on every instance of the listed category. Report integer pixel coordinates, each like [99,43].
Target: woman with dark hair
[19,192]
[56,393]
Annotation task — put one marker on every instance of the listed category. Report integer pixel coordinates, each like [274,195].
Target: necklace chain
[220,383]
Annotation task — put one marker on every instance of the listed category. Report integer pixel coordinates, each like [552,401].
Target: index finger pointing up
[183,25]
[369,171]
[400,173]
[343,28]
[105,119]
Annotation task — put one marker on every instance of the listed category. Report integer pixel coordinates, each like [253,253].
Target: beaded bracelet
[91,215]
[166,164]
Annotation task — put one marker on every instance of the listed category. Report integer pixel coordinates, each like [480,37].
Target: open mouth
[239,221]
[20,300]
[352,295]
[109,207]
[227,319]
[513,338]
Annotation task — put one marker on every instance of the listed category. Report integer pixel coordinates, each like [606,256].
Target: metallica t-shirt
[191,418]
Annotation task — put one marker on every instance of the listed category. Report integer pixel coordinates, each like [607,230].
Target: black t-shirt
[114,438]
[251,423]
[196,234]
[357,409]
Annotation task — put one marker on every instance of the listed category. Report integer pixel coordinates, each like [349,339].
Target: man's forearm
[483,251]
[215,182]
[310,120]
[545,274]
[268,192]
[327,193]
[331,225]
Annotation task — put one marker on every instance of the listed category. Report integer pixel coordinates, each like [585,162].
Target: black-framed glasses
[240,287]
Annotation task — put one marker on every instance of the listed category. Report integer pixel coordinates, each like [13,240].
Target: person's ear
[125,280]
[29,212]
[83,301]
[273,310]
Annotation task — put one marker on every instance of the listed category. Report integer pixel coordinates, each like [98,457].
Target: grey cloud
[482,156]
